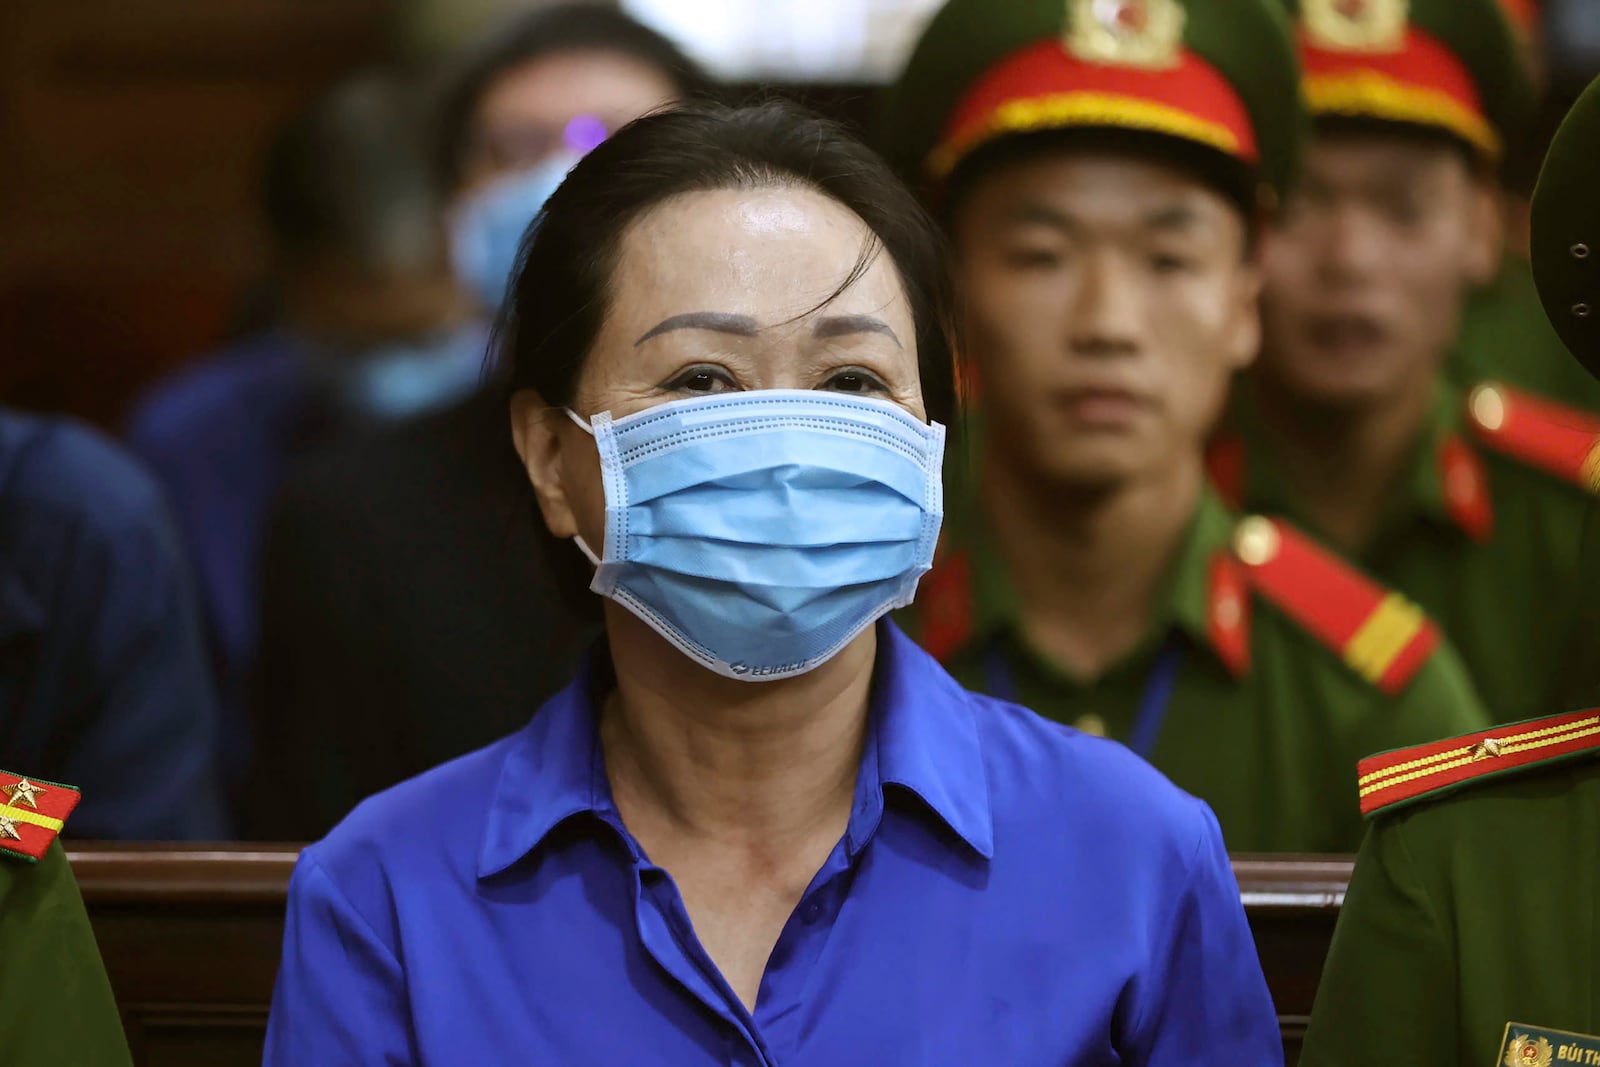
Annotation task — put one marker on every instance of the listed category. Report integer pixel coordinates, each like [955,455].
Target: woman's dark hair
[559,294]
[532,35]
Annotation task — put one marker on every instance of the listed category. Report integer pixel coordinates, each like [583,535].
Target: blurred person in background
[409,616]
[374,328]
[103,676]
[1468,501]
[1102,171]
[1469,930]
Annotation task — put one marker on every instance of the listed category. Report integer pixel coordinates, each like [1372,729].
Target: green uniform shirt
[1272,750]
[1510,598]
[56,1007]
[1505,336]
[1464,914]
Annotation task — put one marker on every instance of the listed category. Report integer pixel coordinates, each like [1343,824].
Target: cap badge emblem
[1356,25]
[1126,33]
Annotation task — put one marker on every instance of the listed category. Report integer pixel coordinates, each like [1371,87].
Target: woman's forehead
[772,254]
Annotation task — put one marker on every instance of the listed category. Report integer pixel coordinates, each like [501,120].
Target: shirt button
[812,913]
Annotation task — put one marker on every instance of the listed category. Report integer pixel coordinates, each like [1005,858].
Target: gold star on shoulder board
[1488,748]
[25,793]
[8,829]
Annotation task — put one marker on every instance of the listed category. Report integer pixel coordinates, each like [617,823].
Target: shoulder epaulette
[32,812]
[1225,460]
[1547,436]
[1391,779]
[1381,635]
[944,605]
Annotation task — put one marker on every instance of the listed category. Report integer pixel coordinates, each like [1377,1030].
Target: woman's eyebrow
[720,321]
[840,325]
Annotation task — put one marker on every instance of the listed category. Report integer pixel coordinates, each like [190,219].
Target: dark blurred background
[133,136]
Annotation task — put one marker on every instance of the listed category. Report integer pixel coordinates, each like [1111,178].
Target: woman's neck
[758,766]
[1341,466]
[1088,566]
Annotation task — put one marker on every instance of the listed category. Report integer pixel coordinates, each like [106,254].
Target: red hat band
[1043,87]
[1420,82]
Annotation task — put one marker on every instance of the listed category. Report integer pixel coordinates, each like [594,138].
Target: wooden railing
[191,940]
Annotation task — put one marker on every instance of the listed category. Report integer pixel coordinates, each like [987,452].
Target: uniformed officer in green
[1471,930]
[1100,167]
[56,1006]
[1504,333]
[1468,501]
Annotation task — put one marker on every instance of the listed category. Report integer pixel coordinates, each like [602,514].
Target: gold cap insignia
[1356,25]
[1528,1051]
[1126,33]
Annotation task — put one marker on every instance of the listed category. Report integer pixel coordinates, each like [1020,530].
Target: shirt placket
[784,985]
[668,935]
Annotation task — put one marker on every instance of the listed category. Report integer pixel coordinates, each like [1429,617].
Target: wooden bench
[191,940]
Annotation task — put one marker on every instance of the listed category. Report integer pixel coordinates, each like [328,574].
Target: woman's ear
[536,428]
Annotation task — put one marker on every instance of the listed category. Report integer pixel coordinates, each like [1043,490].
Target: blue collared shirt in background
[103,679]
[1007,892]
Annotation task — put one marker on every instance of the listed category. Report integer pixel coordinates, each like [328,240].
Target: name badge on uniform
[1537,1046]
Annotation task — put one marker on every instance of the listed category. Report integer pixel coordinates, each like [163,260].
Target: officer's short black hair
[528,36]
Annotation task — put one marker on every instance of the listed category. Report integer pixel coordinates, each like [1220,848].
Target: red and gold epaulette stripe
[32,812]
[1545,435]
[944,605]
[1225,462]
[1382,636]
[1392,778]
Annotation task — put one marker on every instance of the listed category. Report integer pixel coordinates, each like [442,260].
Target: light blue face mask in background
[404,379]
[486,231]
[760,532]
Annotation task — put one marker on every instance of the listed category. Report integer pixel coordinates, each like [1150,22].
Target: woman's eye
[702,380]
[854,381]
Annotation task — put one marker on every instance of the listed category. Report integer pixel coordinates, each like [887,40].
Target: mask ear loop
[577,539]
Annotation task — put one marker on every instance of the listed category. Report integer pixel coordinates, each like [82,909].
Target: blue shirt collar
[922,739]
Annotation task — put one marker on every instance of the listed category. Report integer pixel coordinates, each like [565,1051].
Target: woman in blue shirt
[761,826]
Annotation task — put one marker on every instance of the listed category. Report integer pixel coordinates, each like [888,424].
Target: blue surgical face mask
[403,379]
[486,231]
[760,532]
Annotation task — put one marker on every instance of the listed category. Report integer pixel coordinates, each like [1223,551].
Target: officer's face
[1109,299]
[1367,270]
[720,291]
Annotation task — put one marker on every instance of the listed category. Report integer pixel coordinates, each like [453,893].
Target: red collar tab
[1466,488]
